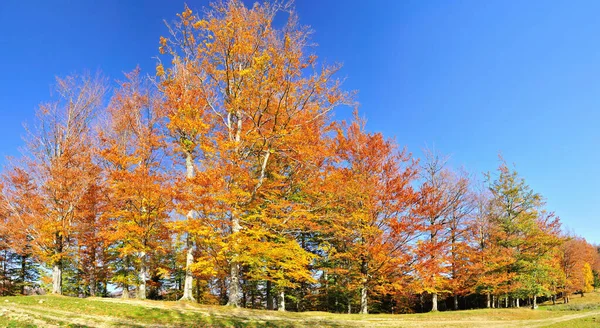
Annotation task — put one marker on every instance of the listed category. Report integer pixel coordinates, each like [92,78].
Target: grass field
[60,311]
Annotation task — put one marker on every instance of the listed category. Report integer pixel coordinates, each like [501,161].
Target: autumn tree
[443,205]
[92,256]
[57,172]
[485,259]
[576,258]
[261,89]
[537,268]
[188,122]
[462,250]
[18,269]
[140,195]
[374,198]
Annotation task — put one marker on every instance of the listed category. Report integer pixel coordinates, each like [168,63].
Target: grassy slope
[50,311]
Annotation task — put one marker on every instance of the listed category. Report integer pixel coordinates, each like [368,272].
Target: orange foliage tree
[369,213]
[139,189]
[263,93]
[45,194]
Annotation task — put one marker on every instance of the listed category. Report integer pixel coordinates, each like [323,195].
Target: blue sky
[470,78]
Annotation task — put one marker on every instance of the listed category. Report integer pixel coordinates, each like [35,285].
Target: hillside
[55,311]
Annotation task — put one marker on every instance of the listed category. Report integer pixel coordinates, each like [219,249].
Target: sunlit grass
[31,311]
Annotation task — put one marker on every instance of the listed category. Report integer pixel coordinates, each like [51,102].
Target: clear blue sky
[473,78]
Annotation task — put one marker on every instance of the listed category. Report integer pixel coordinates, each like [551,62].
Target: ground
[60,311]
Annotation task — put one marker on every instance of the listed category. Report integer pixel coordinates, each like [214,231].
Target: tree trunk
[363,291]
[326,278]
[23,272]
[269,295]
[455,302]
[189,260]
[188,288]
[244,297]
[143,276]
[349,307]
[222,291]
[281,301]
[554,299]
[363,300]
[487,300]
[105,288]
[493,301]
[235,290]
[534,304]
[434,301]
[125,294]
[517,302]
[198,289]
[57,278]
[57,268]
[93,282]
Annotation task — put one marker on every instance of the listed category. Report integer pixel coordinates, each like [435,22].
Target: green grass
[587,322]
[4,322]
[34,311]
[92,311]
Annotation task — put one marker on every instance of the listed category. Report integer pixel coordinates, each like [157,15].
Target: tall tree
[576,258]
[373,199]
[140,195]
[462,251]
[524,234]
[262,90]
[58,172]
[442,199]
[188,124]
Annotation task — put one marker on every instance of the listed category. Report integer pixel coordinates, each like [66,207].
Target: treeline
[225,179]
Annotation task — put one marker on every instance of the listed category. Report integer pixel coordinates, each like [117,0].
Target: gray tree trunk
[534,304]
[235,290]
[143,276]
[57,278]
[364,270]
[125,294]
[93,282]
[517,302]
[281,301]
[487,300]
[188,286]
[434,301]
[363,299]
[455,302]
